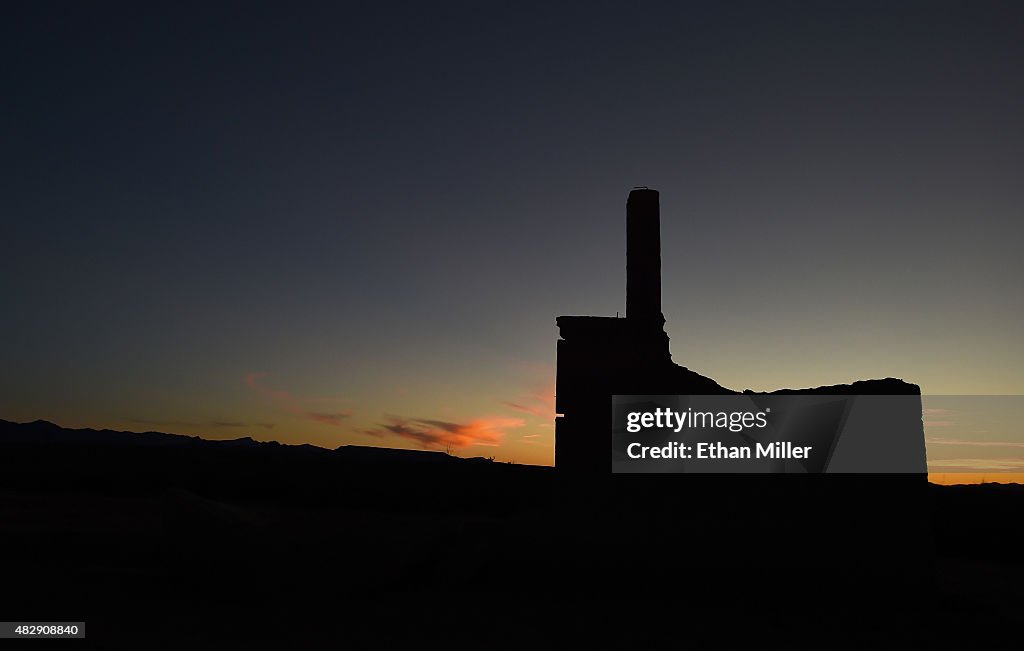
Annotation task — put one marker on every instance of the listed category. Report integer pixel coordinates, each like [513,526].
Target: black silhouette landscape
[132,531]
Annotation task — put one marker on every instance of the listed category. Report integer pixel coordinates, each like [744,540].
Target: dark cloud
[329,419]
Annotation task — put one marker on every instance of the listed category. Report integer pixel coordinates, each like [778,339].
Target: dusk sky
[356,223]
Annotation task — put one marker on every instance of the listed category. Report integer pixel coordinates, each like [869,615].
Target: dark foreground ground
[196,545]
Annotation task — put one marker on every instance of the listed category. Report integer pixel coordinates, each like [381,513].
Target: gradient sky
[356,223]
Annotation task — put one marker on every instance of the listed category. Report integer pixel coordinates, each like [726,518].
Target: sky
[355,223]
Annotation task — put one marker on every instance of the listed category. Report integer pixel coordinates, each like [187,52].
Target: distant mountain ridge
[42,432]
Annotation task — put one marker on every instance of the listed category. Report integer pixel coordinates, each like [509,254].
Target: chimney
[643,256]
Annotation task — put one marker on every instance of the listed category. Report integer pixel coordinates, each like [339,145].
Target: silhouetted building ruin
[602,356]
[599,357]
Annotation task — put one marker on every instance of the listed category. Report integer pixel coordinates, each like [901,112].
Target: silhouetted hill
[44,432]
[41,432]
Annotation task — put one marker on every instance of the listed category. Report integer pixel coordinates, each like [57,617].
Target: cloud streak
[936,417]
[294,404]
[993,444]
[538,402]
[992,465]
[329,419]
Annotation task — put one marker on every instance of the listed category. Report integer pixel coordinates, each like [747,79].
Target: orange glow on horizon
[955,478]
